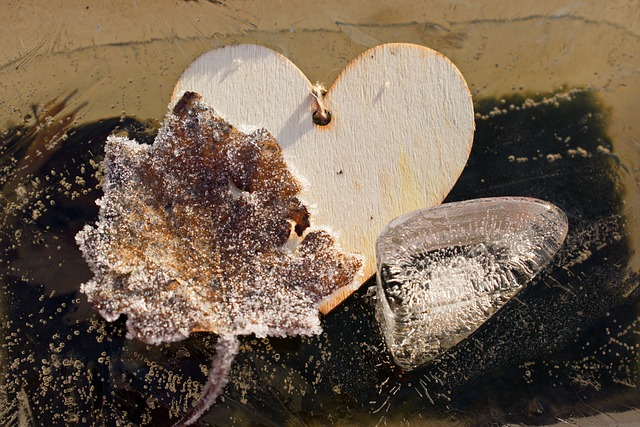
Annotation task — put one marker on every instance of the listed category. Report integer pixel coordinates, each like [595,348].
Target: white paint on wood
[401,131]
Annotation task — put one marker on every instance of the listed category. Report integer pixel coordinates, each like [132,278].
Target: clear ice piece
[443,271]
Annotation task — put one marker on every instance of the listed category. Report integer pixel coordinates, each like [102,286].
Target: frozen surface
[195,234]
[444,271]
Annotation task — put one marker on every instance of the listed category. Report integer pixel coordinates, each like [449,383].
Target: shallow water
[555,91]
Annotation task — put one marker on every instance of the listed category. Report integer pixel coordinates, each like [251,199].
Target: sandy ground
[125,56]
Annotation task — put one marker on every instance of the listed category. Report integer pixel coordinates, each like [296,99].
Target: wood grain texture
[401,131]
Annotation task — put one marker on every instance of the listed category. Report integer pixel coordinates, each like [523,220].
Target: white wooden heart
[400,134]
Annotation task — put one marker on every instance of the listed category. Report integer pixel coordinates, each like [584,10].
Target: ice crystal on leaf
[203,231]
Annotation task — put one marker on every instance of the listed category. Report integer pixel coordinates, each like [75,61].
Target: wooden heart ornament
[400,132]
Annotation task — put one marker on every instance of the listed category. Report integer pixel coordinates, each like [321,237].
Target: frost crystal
[444,271]
[197,232]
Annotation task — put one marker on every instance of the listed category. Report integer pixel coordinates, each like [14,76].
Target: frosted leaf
[443,271]
[192,234]
[195,234]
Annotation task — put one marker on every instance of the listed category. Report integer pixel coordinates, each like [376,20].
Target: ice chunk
[443,271]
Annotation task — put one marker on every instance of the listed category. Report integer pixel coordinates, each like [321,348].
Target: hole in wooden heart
[322,118]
